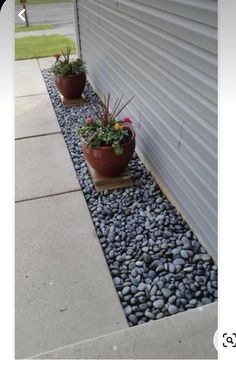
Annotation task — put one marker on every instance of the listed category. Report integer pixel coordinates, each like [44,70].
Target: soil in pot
[71,86]
[106,162]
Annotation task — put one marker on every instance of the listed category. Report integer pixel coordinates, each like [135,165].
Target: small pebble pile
[157,264]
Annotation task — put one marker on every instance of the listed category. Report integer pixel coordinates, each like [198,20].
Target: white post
[77,35]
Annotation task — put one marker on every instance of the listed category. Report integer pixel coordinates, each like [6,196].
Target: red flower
[127,120]
[90,120]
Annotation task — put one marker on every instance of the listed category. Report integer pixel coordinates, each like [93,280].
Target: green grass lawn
[35,2]
[33,27]
[43,46]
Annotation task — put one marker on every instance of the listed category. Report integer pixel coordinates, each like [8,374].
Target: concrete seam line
[34,94]
[79,343]
[49,195]
[38,135]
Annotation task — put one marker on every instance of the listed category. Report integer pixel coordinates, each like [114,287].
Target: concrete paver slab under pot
[64,291]
[35,116]
[43,167]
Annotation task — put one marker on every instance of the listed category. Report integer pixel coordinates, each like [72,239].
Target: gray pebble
[141,286]
[172,299]
[149,315]
[147,259]
[205,257]
[127,298]
[166,292]
[193,302]
[195,244]
[133,319]
[173,309]
[214,284]
[188,269]
[126,290]
[159,303]
[196,258]
[134,281]
[160,284]
[181,287]
[179,261]
[171,268]
[133,289]
[184,254]
[138,278]
[160,269]
[134,301]
[178,268]
[205,300]
[128,310]
[151,274]
[143,306]
[213,275]
[117,280]
[141,322]
[142,299]
[188,234]
[153,290]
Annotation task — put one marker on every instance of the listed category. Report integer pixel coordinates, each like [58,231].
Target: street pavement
[57,14]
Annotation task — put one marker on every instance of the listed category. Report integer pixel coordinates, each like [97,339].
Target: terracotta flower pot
[71,86]
[106,162]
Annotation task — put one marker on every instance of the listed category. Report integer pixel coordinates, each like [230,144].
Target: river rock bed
[157,264]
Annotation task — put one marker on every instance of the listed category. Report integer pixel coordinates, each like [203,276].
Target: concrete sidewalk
[66,303]
[69,31]
[64,291]
[187,335]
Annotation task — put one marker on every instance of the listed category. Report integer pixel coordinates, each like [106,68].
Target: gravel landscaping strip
[157,264]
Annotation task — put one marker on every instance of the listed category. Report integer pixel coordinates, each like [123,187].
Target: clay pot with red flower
[108,141]
[69,75]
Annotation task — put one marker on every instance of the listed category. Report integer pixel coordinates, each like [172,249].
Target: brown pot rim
[110,147]
[70,76]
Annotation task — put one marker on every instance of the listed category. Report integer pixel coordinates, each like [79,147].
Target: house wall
[165,53]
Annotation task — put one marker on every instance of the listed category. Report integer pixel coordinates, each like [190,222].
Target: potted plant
[70,75]
[108,142]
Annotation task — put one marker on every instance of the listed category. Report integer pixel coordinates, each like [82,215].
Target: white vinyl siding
[164,52]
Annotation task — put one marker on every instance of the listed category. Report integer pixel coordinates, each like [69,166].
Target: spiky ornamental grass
[64,66]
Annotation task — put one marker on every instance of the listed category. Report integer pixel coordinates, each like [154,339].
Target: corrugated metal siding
[165,53]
